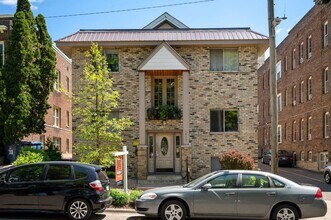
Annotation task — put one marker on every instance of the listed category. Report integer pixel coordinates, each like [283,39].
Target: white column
[142,109]
[186,108]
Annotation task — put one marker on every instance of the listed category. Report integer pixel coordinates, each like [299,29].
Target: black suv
[73,188]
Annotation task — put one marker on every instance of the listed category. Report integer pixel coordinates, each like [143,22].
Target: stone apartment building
[304,95]
[208,74]
[58,119]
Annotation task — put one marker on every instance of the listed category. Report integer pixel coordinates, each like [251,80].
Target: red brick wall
[311,24]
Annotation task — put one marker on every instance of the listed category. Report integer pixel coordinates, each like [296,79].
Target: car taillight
[319,194]
[97,186]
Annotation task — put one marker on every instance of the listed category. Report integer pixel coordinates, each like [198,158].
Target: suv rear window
[102,176]
[58,172]
[80,173]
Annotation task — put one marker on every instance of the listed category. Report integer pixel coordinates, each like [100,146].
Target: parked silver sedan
[234,194]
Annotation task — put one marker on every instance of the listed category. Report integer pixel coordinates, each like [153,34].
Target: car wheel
[79,209]
[327,178]
[173,210]
[285,212]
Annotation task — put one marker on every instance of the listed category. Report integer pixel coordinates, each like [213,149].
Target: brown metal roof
[141,35]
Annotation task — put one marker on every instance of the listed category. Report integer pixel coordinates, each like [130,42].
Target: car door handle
[271,193]
[230,193]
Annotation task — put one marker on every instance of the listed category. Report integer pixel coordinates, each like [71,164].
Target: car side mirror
[206,187]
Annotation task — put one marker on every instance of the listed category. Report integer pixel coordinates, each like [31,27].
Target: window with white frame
[285,63]
[302,92]
[302,129]
[57,142]
[326,34]
[286,99]
[279,102]
[302,156]
[279,134]
[294,95]
[310,156]
[301,53]
[2,54]
[224,59]
[279,70]
[309,128]
[294,131]
[57,116]
[326,80]
[293,59]
[67,119]
[326,125]
[309,88]
[57,81]
[309,47]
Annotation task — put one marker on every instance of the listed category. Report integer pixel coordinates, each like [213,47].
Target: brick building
[304,95]
[210,74]
[58,119]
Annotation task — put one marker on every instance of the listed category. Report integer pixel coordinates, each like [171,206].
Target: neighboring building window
[302,156]
[326,34]
[178,146]
[301,53]
[57,117]
[302,92]
[67,118]
[309,128]
[309,47]
[224,60]
[2,54]
[285,131]
[279,70]
[67,84]
[57,81]
[302,129]
[113,61]
[164,92]
[286,97]
[293,59]
[309,89]
[326,125]
[67,146]
[223,120]
[57,142]
[326,80]
[294,131]
[279,134]
[285,64]
[294,95]
[310,156]
[279,102]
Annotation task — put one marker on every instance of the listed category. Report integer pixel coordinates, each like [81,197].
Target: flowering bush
[234,160]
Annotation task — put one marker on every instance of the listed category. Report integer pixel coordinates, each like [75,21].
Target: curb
[119,210]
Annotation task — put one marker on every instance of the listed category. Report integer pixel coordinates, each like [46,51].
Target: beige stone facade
[198,91]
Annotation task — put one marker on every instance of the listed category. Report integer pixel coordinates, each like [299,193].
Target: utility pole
[273,87]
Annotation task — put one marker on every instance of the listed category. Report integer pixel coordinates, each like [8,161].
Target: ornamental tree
[98,134]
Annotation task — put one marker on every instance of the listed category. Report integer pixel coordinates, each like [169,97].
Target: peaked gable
[164,57]
[166,21]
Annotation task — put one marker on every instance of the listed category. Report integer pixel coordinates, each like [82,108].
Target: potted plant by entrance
[164,112]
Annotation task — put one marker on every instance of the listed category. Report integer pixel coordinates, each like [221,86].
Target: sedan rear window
[254,181]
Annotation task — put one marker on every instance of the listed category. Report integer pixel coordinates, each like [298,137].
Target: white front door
[164,152]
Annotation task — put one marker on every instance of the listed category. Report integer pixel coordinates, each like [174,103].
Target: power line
[130,9]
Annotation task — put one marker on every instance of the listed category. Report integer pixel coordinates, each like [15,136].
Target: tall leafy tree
[26,77]
[98,134]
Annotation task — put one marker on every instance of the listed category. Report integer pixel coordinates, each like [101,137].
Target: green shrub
[52,151]
[234,160]
[120,198]
[133,196]
[28,155]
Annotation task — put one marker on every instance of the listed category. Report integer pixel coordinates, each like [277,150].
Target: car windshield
[197,181]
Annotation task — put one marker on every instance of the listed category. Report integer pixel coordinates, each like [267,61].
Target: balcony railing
[164,112]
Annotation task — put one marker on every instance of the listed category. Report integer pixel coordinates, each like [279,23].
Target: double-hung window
[301,53]
[326,125]
[309,89]
[302,92]
[57,117]
[294,131]
[326,34]
[224,60]
[309,47]
[279,70]
[279,102]
[326,80]
[309,128]
[223,121]
[164,92]
[293,59]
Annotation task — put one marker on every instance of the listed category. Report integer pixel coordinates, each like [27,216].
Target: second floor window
[223,121]
[57,81]
[301,53]
[67,118]
[224,60]
[2,54]
[279,134]
[326,125]
[309,128]
[302,92]
[293,59]
[309,89]
[67,84]
[309,47]
[294,95]
[279,70]
[56,117]
[113,62]
[285,63]
[326,34]
[164,92]
[326,80]
[279,102]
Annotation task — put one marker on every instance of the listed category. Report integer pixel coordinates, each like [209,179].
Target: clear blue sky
[217,14]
